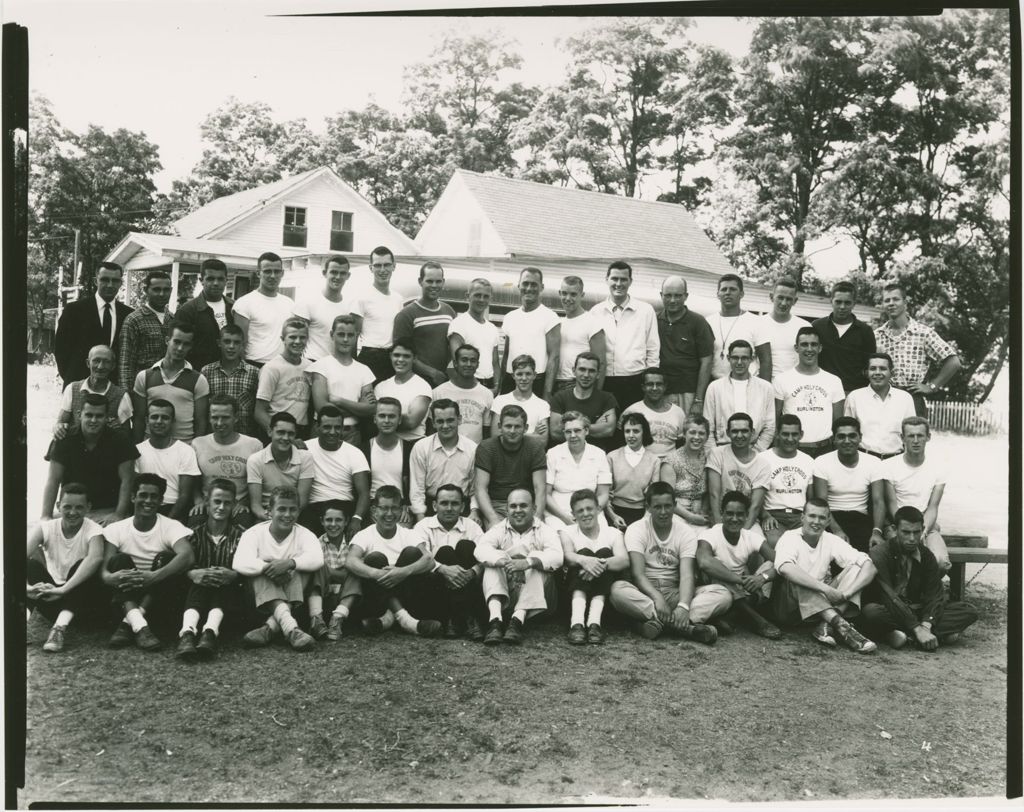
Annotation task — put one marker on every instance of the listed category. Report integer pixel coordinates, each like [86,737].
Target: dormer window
[341,231]
[294,227]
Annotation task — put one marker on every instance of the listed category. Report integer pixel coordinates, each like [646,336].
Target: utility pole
[74,265]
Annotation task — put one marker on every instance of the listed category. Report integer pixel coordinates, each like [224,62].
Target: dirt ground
[401,720]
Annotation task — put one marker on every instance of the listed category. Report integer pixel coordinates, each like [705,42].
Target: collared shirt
[211,553]
[432,465]
[182,389]
[566,475]
[631,336]
[334,557]
[112,304]
[915,594]
[240,384]
[261,469]
[912,350]
[683,343]
[881,419]
[436,536]
[122,410]
[538,542]
[845,355]
[143,342]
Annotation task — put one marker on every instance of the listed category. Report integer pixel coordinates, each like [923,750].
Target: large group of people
[346,462]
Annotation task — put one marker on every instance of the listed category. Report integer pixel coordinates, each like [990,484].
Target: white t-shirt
[782,338]
[739,394]
[662,557]
[666,427]
[728,329]
[333,471]
[266,315]
[285,386]
[848,488]
[320,312]
[61,553]
[474,406]
[575,338]
[482,336]
[143,547]
[744,477]
[527,335]
[378,311]
[913,485]
[406,393]
[373,542]
[810,397]
[220,311]
[607,537]
[792,549]
[788,480]
[170,463]
[733,556]
[343,381]
[536,409]
[385,467]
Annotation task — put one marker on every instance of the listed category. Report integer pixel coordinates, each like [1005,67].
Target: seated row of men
[436,578]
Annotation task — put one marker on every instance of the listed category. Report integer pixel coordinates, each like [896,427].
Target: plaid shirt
[143,343]
[241,385]
[209,554]
[912,350]
[334,557]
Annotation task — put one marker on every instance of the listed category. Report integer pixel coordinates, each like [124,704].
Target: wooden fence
[967,418]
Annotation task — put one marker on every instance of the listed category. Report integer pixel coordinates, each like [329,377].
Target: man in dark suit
[207,313]
[90,321]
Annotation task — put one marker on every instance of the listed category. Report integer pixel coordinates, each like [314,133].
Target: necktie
[108,322]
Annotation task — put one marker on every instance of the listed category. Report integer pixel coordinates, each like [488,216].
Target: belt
[787,511]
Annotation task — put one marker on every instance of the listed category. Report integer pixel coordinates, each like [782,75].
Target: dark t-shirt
[599,402]
[95,468]
[510,469]
[683,344]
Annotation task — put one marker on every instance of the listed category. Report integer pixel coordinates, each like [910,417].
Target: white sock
[272,624]
[189,622]
[520,615]
[494,607]
[135,619]
[387,620]
[283,614]
[341,610]
[406,621]
[213,620]
[316,606]
[64,618]
[596,608]
[579,607]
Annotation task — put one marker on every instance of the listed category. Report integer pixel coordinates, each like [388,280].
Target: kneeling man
[809,592]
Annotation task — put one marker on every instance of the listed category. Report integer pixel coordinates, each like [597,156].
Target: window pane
[341,240]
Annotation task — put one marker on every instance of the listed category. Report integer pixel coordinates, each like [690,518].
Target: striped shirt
[240,384]
[215,553]
[428,330]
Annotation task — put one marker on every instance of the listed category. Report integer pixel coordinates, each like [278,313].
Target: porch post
[173,304]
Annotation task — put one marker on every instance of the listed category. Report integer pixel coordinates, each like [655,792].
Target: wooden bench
[964,550]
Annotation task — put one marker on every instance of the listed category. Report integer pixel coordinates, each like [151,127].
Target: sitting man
[519,554]
[278,557]
[790,476]
[666,419]
[393,569]
[587,398]
[334,585]
[170,459]
[595,555]
[906,598]
[444,457]
[471,398]
[340,472]
[119,403]
[145,558]
[725,553]
[63,555]
[663,592]
[506,462]
[738,467]
[215,587]
[807,590]
[451,540]
[280,464]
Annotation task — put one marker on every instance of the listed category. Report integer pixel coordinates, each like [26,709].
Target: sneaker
[428,628]
[186,646]
[318,628]
[206,648]
[649,629]
[577,635]
[896,639]
[299,640]
[123,636]
[595,634]
[702,633]
[723,626]
[55,641]
[952,637]
[852,638]
[820,633]
[451,631]
[333,629]
[495,633]
[258,638]
[146,640]
[372,625]
[514,632]
[473,629]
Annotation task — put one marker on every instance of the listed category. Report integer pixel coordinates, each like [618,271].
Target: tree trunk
[995,373]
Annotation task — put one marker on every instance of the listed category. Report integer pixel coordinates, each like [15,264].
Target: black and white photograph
[527,406]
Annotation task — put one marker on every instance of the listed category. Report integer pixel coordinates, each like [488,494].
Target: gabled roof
[538,219]
[164,247]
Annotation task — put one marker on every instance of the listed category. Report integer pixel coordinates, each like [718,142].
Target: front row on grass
[431,580]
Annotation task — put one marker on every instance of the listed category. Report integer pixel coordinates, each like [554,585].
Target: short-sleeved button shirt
[683,343]
[912,350]
[260,469]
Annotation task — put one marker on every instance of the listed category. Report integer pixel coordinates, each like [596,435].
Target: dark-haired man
[846,341]
[143,339]
[174,461]
[732,323]
[880,408]
[376,309]
[425,323]
[261,312]
[585,397]
[508,461]
[173,379]
[631,335]
[473,398]
[340,471]
[233,377]
[319,308]
[446,457]
[741,392]
[813,395]
[224,454]
[208,313]
[280,464]
[532,329]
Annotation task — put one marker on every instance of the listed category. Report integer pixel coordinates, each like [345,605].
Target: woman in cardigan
[633,469]
[684,470]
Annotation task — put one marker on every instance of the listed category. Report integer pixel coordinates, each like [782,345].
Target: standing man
[473,327]
[284,382]
[425,323]
[846,341]
[444,458]
[813,395]
[144,334]
[376,309]
[913,347]
[687,346]
[338,378]
[598,406]
[261,312]
[87,322]
[630,334]
[741,392]
[172,378]
[581,331]
[208,313]
[532,329]
[880,409]
[232,377]
[409,389]
[779,327]
[320,308]
[737,467]
[506,462]
[731,324]
[473,398]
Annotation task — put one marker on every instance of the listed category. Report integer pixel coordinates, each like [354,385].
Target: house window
[294,227]
[341,231]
